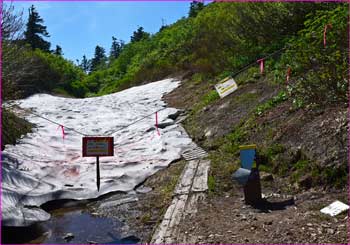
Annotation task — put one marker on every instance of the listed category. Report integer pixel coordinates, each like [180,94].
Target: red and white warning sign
[97,146]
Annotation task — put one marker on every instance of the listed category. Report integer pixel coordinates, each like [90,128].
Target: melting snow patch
[44,167]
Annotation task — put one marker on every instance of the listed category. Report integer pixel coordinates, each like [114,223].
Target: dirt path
[226,219]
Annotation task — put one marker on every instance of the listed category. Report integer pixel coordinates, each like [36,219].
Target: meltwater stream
[43,166]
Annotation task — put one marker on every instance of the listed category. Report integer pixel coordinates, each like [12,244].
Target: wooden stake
[98,173]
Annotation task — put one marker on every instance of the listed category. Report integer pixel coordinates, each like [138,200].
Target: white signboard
[226,87]
[335,208]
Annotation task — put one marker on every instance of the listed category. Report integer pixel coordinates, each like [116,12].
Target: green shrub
[13,128]
[282,96]
[319,74]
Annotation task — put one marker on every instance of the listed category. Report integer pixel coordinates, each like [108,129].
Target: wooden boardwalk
[191,187]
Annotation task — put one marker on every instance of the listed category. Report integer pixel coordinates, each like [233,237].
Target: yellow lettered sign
[226,87]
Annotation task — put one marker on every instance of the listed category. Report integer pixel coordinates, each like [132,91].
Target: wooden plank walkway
[194,153]
[191,187]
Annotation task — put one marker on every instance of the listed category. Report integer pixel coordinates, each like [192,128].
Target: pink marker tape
[157,124]
[62,128]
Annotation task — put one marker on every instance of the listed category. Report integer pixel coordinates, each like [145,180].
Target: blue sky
[79,26]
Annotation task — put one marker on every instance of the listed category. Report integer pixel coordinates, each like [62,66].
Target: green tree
[116,48]
[195,7]
[35,31]
[139,34]
[85,64]
[99,59]
[163,25]
[58,51]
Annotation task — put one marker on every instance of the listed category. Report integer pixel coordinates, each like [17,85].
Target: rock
[208,133]
[266,176]
[68,236]
[309,224]
[165,124]
[330,231]
[91,242]
[268,223]
[305,181]
[174,115]
[211,235]
[144,189]
[206,108]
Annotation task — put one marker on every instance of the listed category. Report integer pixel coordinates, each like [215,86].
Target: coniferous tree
[164,25]
[195,7]
[139,34]
[116,48]
[85,64]
[35,31]
[58,50]
[99,59]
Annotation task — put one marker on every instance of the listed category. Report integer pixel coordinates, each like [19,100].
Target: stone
[266,176]
[208,133]
[305,181]
[68,236]
[92,242]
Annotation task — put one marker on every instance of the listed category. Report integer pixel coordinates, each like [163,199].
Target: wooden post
[252,189]
[98,173]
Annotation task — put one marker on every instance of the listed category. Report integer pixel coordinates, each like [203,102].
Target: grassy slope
[299,145]
[13,128]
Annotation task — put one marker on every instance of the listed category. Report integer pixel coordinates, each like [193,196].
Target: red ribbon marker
[62,127]
[261,61]
[157,124]
[289,70]
[325,33]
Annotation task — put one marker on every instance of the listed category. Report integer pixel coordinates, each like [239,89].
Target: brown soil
[320,136]
[226,219]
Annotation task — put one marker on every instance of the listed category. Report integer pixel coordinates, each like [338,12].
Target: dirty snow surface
[44,167]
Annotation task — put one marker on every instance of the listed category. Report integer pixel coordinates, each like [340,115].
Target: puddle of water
[82,225]
[85,228]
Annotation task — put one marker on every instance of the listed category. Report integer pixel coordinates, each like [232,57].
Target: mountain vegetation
[213,41]
[308,40]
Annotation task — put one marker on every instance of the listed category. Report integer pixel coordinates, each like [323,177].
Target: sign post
[98,147]
[98,173]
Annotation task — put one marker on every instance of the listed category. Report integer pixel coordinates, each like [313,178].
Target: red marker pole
[62,128]
[261,62]
[325,33]
[289,70]
[157,124]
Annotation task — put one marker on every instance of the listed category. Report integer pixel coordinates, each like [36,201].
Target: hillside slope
[305,152]
[300,129]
